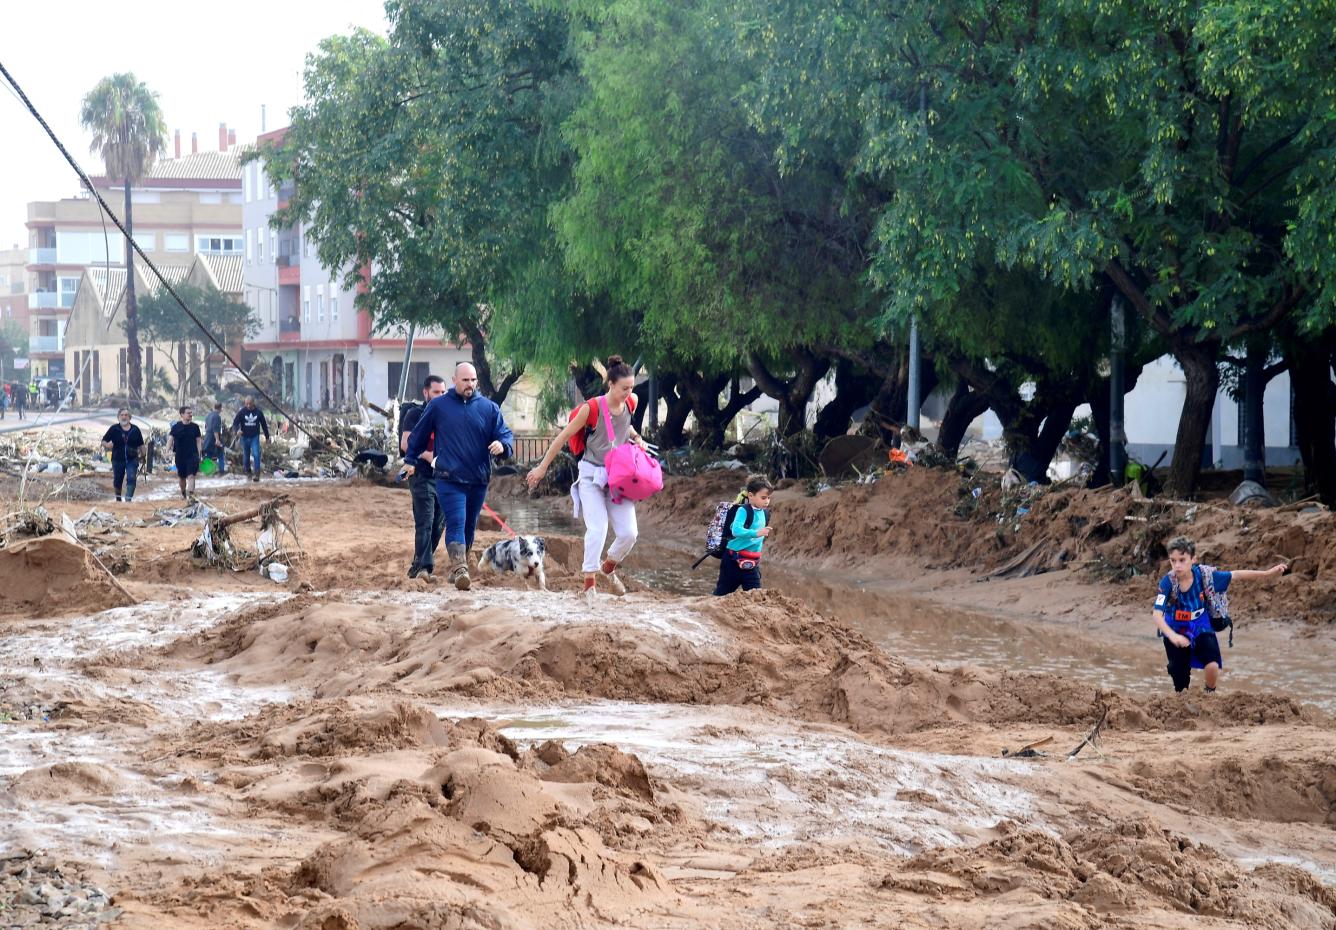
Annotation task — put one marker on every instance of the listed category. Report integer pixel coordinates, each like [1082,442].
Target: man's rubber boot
[459,566]
[609,570]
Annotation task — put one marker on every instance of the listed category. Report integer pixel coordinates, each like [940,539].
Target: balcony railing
[43,300]
[46,344]
[42,256]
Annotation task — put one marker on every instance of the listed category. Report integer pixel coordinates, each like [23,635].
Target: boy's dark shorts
[1203,650]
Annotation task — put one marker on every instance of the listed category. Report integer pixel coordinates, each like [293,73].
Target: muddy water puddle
[1125,655]
[779,782]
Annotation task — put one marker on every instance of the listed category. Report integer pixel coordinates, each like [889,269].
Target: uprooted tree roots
[276,540]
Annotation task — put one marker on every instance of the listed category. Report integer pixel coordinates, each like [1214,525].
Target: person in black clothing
[249,423]
[20,398]
[188,443]
[125,443]
[428,517]
[213,437]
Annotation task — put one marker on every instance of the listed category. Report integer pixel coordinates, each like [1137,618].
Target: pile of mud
[941,519]
[437,823]
[761,649]
[52,576]
[1136,869]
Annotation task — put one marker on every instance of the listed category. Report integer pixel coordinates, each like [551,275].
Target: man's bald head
[466,380]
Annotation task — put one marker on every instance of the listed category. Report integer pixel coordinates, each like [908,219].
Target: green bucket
[207,466]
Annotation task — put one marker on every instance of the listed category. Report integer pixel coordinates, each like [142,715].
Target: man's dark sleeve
[108,435]
[236,421]
[417,439]
[502,434]
[264,425]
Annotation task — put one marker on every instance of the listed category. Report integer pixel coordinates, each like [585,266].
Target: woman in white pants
[592,499]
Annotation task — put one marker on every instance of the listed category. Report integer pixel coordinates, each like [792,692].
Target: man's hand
[496,448]
[406,471]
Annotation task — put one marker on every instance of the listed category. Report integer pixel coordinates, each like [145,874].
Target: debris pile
[38,891]
[276,543]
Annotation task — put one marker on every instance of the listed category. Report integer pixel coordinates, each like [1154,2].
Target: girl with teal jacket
[746,530]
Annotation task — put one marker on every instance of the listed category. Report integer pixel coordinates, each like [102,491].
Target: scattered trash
[195,512]
[216,547]
[277,572]
[1250,492]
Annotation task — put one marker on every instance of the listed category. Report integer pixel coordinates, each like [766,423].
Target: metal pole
[408,357]
[915,400]
[1117,433]
[1254,431]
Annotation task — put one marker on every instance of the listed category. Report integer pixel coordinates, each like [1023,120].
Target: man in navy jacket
[469,428]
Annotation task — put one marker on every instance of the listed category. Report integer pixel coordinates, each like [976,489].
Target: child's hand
[1179,640]
[1276,571]
[763,531]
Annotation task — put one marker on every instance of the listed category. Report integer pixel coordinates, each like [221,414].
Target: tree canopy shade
[129,133]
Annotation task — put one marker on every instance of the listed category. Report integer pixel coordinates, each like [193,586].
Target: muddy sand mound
[1133,869]
[66,781]
[52,576]
[757,648]
[941,519]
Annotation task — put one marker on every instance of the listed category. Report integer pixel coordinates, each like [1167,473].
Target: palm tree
[129,133]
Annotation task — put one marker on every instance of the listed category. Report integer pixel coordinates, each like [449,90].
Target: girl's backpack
[633,474]
[718,532]
[577,442]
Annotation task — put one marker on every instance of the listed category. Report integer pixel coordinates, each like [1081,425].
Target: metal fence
[530,448]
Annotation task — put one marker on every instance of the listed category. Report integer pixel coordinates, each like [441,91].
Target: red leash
[497,517]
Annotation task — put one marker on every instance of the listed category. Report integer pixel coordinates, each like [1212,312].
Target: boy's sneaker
[609,570]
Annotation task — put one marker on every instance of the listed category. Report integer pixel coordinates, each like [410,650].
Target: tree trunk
[1054,429]
[1198,362]
[792,395]
[132,354]
[712,420]
[964,407]
[1315,414]
[672,433]
[486,385]
[853,389]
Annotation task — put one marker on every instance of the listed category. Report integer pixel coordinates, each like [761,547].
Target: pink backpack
[633,474]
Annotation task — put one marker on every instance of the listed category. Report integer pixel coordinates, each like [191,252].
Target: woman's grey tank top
[597,445]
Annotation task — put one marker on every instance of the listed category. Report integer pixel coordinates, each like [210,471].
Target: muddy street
[349,749]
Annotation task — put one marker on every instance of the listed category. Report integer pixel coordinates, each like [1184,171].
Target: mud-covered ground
[354,750]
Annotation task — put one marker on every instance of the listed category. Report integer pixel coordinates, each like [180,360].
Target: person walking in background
[187,442]
[463,429]
[249,423]
[593,500]
[745,529]
[20,395]
[213,437]
[125,443]
[428,517]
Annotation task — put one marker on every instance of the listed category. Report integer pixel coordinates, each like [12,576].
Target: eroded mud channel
[371,757]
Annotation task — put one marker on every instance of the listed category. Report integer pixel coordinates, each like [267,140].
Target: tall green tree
[162,322]
[129,133]
[430,158]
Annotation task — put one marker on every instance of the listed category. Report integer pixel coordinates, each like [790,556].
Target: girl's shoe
[590,594]
[609,569]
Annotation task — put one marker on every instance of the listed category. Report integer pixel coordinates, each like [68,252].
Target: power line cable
[149,262]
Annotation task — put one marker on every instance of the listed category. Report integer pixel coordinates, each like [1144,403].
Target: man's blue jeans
[250,451]
[123,471]
[461,504]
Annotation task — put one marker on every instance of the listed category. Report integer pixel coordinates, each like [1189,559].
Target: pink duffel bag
[633,474]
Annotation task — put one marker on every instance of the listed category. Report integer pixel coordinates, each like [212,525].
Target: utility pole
[1254,428]
[408,357]
[1117,432]
[915,401]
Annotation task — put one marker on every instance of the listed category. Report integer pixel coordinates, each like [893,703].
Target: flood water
[1126,655]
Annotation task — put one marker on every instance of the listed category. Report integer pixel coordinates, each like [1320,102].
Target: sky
[207,68]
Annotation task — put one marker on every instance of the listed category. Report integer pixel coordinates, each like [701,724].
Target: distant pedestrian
[20,398]
[428,517]
[4,400]
[187,443]
[1190,596]
[745,529]
[249,423]
[213,437]
[125,443]
[463,430]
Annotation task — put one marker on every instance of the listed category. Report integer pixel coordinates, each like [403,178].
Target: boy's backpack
[577,442]
[718,533]
[1217,602]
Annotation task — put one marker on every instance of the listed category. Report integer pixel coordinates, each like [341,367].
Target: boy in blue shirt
[1181,615]
[740,562]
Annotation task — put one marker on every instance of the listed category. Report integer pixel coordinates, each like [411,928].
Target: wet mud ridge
[343,752]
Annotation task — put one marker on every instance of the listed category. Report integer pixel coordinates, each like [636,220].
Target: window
[219,245]
[138,196]
[176,242]
[86,248]
[333,301]
[259,246]
[273,251]
[146,239]
[249,237]
[234,197]
[211,197]
[68,288]
[320,303]
[306,304]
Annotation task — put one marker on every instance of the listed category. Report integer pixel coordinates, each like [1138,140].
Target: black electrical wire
[130,242]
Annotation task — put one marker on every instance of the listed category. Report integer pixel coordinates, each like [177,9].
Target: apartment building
[322,349]
[189,205]
[13,287]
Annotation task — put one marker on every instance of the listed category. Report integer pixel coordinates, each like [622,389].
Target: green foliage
[127,125]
